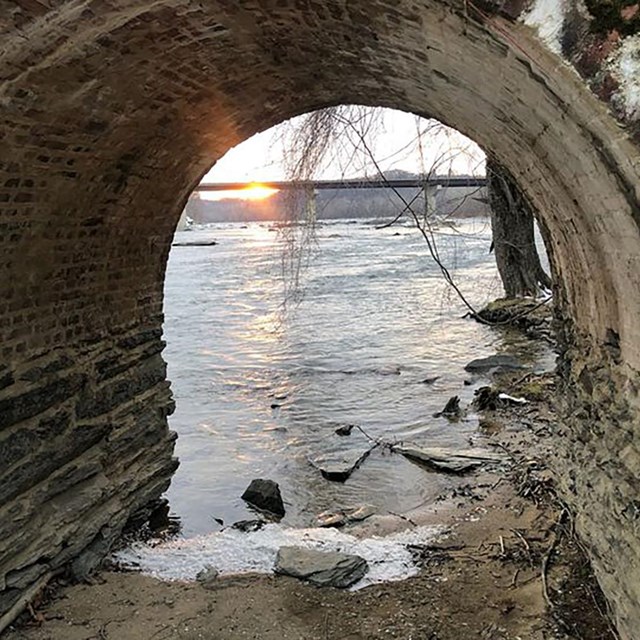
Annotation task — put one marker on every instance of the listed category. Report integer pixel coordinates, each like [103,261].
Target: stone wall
[84,446]
[111,112]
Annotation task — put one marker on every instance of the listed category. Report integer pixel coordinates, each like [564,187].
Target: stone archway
[113,109]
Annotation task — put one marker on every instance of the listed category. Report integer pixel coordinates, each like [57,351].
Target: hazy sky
[396,146]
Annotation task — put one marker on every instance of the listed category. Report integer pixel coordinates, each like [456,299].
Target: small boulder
[345,516]
[345,430]
[451,409]
[499,362]
[208,577]
[247,526]
[265,496]
[321,568]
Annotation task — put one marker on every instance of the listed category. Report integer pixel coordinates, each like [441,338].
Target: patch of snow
[547,16]
[232,552]
[506,396]
[625,68]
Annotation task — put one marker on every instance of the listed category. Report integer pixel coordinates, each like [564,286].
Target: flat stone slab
[321,568]
[338,467]
[501,362]
[342,456]
[448,460]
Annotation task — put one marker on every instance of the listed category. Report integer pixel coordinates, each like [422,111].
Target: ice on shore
[232,552]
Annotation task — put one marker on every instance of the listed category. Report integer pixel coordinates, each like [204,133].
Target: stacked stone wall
[84,445]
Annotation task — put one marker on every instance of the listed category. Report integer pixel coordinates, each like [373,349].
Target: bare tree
[513,228]
[344,136]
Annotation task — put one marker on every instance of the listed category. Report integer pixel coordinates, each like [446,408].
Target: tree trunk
[514,244]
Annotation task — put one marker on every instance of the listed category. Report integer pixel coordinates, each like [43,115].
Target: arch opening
[369,322]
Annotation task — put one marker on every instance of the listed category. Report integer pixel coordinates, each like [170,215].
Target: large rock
[265,495]
[499,362]
[322,568]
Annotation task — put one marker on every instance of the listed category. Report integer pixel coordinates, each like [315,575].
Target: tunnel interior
[112,111]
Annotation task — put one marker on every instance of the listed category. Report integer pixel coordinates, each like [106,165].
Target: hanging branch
[429,241]
[326,130]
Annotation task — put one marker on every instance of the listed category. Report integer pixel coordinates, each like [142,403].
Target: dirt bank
[510,569]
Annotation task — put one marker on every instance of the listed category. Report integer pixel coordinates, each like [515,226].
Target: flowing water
[260,390]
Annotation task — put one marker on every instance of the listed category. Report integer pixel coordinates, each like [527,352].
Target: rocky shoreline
[510,567]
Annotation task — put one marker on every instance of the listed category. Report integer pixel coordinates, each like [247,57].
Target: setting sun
[252,191]
[256,191]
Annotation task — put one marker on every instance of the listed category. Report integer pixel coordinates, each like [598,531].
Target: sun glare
[256,191]
[253,191]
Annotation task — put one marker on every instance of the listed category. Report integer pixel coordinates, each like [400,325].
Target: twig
[545,568]
[501,446]
[399,515]
[366,435]
[402,212]
[524,541]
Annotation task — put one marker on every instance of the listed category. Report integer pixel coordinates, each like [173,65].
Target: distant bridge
[416,183]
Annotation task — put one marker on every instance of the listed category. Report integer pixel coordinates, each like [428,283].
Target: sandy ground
[483,581]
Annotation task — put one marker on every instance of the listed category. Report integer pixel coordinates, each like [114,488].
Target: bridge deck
[443,181]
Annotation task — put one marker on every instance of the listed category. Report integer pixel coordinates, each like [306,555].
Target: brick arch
[113,109]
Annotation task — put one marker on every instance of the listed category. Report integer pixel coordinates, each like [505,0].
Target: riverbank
[509,568]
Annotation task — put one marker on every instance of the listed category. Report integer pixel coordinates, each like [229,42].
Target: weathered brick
[39,399]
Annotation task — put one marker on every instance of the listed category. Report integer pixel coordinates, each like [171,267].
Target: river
[261,387]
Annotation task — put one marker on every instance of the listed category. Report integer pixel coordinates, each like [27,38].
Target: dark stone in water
[430,380]
[248,525]
[451,409]
[346,430]
[265,495]
[500,362]
[196,243]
